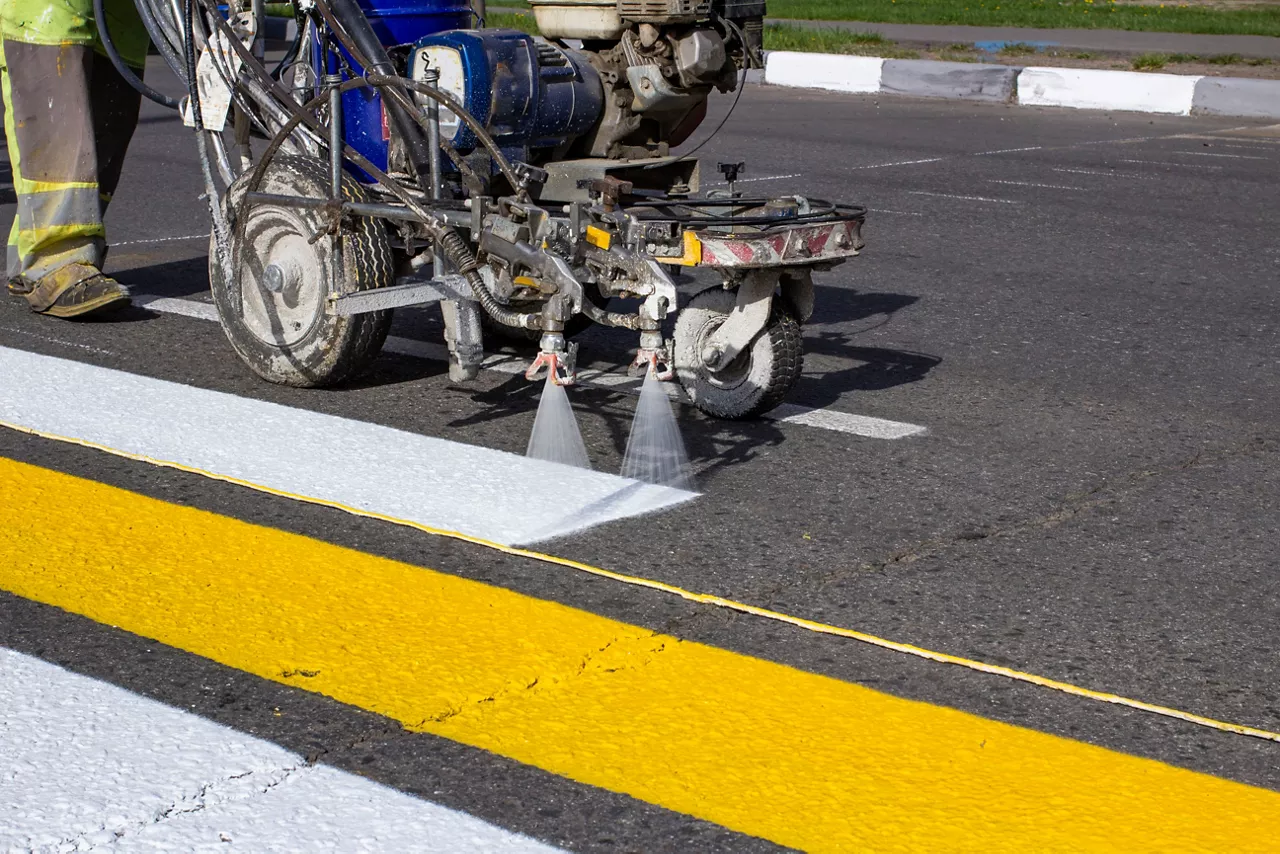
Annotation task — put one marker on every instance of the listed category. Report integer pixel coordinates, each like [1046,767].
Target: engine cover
[528,93]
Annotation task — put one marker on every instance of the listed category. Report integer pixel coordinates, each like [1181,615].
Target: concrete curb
[968,81]
[1236,96]
[1077,88]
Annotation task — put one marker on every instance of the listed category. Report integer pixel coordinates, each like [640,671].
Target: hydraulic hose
[163,37]
[461,256]
[122,67]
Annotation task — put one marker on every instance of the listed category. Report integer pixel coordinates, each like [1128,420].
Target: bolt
[273,278]
[711,356]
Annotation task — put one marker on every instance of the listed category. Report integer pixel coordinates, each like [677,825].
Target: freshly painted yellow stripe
[801,759]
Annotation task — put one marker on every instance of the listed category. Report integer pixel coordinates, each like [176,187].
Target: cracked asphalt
[1080,307]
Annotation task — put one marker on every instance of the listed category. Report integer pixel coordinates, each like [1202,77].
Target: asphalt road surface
[1078,308]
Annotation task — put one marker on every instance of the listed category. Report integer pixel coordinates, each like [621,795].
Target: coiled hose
[461,256]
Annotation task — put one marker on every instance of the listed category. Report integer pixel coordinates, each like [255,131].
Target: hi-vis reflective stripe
[23,186]
[76,206]
[801,759]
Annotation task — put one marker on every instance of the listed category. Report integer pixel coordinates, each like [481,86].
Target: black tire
[754,382]
[286,337]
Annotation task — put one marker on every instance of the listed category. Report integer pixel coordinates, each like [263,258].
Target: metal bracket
[749,317]
[408,292]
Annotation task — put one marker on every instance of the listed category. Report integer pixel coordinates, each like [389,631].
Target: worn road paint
[794,757]
[87,764]
[431,482]
[822,419]
[964,198]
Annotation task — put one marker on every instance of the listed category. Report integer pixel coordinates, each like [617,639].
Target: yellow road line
[701,598]
[801,759]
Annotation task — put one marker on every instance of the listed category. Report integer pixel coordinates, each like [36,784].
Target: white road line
[1211,154]
[899,213]
[1010,150]
[964,198]
[1172,163]
[901,163]
[758,178]
[162,240]
[841,422]
[1032,184]
[368,468]
[60,341]
[1103,173]
[88,765]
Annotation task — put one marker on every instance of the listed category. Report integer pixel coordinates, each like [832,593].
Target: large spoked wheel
[760,376]
[275,315]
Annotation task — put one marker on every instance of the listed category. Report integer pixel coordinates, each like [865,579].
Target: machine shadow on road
[829,334]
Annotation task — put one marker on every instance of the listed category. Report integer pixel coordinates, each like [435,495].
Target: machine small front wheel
[760,376]
[274,312]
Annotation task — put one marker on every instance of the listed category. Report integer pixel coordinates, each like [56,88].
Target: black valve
[730,170]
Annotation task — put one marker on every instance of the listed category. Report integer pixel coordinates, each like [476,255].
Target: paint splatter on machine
[397,157]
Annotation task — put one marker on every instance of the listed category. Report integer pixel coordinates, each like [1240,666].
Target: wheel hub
[283,278]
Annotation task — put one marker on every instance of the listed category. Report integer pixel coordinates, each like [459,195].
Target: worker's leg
[60,237]
[115,117]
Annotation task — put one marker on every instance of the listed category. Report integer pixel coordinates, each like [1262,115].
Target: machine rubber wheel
[284,335]
[757,379]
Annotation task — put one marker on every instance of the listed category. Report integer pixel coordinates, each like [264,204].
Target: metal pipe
[334,82]
[432,79]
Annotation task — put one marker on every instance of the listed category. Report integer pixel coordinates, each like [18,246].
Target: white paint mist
[655,450]
[556,437]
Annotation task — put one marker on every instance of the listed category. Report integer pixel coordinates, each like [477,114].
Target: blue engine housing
[396,22]
[528,94]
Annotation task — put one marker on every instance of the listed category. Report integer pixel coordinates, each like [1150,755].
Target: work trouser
[69,116]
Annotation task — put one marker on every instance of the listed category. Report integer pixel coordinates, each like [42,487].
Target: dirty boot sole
[77,290]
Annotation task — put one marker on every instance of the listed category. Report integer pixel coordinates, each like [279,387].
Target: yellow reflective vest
[56,22]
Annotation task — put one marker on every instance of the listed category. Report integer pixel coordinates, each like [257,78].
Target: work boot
[75,290]
[20,286]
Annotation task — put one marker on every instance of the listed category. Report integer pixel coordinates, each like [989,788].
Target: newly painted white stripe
[823,71]
[478,492]
[1032,184]
[840,422]
[964,198]
[90,766]
[1093,89]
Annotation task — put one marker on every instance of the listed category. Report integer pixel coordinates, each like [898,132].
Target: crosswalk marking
[366,468]
[794,757]
[87,764]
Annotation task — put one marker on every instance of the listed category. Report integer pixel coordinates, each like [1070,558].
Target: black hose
[163,39]
[122,67]
[375,61]
[461,256]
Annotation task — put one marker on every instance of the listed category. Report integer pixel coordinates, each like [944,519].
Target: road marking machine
[402,154]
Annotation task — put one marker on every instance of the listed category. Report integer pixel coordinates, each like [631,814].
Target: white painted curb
[823,71]
[1092,89]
